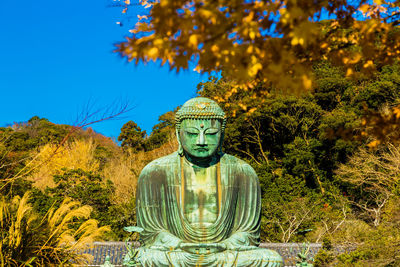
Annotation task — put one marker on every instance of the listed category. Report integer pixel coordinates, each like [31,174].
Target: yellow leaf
[153,52]
[141,17]
[297,40]
[307,82]
[324,45]
[197,69]
[374,144]
[364,8]
[244,107]
[396,112]
[193,40]
[349,72]
[158,41]
[364,121]
[352,60]
[249,17]
[368,64]
[215,48]
[285,15]
[252,110]
[253,70]
[207,14]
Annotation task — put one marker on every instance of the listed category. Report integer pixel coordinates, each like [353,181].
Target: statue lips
[201,150]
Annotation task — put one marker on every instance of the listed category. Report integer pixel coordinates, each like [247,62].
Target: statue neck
[202,162]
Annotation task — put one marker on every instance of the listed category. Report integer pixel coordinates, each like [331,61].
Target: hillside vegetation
[323,178]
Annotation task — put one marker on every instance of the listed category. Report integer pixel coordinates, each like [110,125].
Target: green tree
[294,144]
[34,133]
[162,131]
[132,136]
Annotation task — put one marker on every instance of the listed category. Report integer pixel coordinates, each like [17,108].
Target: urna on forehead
[201,123]
[200,108]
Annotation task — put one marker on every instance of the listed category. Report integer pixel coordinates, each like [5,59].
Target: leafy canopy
[270,41]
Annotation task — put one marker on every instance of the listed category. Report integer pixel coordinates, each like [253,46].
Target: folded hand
[202,248]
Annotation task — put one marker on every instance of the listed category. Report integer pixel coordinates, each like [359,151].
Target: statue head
[200,126]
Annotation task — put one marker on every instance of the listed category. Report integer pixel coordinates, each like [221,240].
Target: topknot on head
[200,108]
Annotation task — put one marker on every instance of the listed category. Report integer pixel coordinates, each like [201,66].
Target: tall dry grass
[124,170]
[78,154]
[26,239]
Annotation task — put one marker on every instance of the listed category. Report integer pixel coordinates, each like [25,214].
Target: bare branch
[377,174]
[256,128]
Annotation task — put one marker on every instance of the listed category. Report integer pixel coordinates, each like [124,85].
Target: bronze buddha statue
[199,206]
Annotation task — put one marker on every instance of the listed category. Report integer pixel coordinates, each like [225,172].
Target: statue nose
[201,140]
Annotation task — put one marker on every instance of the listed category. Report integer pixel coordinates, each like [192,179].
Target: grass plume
[57,238]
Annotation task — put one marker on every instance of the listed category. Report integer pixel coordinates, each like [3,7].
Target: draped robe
[160,214]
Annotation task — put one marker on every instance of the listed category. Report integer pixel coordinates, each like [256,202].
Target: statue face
[200,138]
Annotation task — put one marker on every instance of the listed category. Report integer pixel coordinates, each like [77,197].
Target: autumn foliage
[327,158]
[272,42]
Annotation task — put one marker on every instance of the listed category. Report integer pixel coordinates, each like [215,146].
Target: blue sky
[56,56]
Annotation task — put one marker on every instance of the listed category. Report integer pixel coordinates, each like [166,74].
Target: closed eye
[211,131]
[191,133]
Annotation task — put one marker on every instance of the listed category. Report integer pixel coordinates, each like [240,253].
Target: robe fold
[160,214]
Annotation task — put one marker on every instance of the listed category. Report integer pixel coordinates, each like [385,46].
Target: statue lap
[256,257]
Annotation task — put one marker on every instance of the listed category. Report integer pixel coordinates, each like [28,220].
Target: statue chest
[200,195]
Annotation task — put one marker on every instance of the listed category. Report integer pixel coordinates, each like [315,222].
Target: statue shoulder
[230,159]
[238,163]
[161,163]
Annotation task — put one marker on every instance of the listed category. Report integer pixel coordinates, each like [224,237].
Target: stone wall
[288,251]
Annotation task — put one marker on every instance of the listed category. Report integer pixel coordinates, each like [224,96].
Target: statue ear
[180,148]
[220,144]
